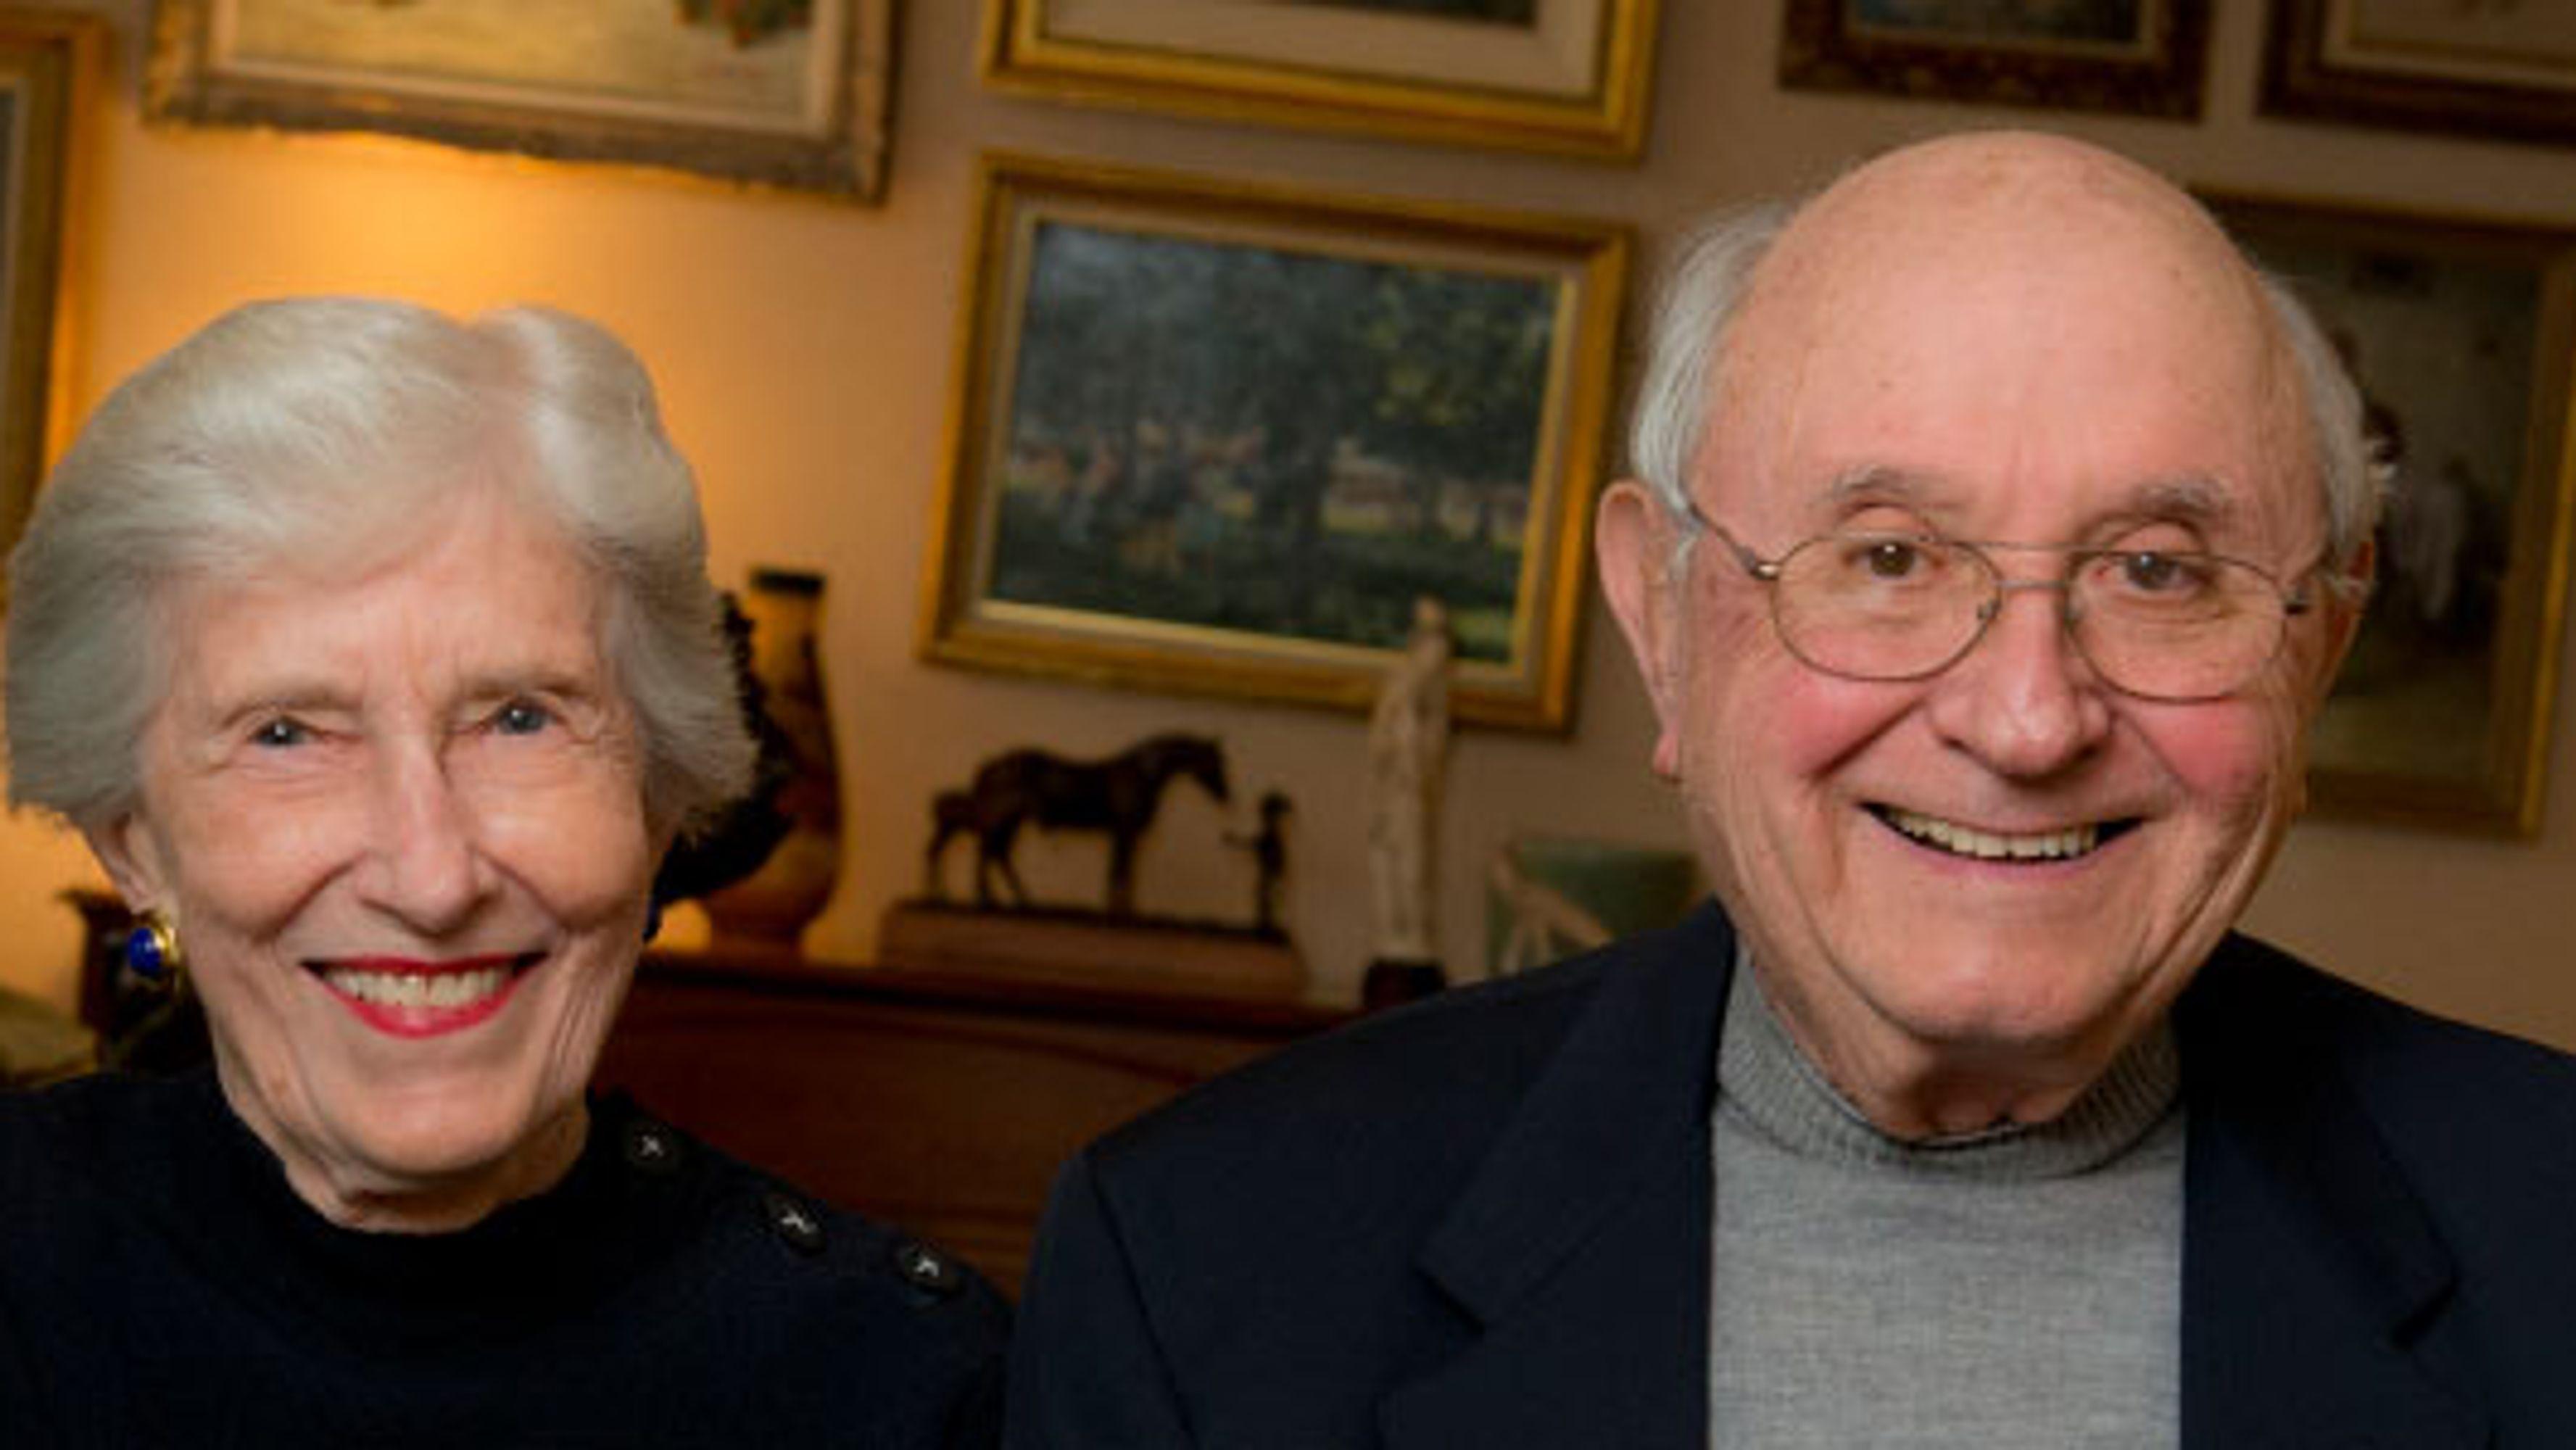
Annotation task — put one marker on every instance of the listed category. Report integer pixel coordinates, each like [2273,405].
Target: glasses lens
[2176,626]
[2166,625]
[1880,606]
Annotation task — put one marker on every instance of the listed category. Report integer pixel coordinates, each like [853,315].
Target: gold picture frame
[1214,437]
[2462,336]
[2144,57]
[2501,71]
[1563,76]
[793,94]
[50,81]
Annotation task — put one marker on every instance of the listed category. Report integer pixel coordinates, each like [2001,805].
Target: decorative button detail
[796,1222]
[927,1269]
[652,1148]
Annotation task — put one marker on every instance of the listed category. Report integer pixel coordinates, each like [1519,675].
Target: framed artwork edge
[1342,677]
[2298,84]
[1015,57]
[1818,53]
[850,165]
[2509,800]
[44,282]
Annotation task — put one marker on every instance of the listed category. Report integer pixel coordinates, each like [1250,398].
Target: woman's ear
[131,853]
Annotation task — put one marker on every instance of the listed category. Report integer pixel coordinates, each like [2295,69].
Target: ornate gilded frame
[2156,70]
[49,87]
[2462,334]
[1573,81]
[1571,276]
[2322,61]
[837,141]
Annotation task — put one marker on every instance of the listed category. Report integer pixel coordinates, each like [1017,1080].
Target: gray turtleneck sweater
[2018,1287]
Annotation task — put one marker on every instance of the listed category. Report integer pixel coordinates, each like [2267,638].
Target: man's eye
[522,717]
[1892,560]
[280,734]
[2149,572]
[1886,560]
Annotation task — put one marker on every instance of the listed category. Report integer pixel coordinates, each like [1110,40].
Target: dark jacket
[161,1285]
[1485,1221]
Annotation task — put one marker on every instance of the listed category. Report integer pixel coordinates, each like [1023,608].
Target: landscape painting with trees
[1251,438]
[1224,440]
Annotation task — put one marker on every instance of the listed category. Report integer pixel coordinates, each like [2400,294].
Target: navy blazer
[1485,1221]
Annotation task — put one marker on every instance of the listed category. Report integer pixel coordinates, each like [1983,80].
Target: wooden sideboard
[941,1102]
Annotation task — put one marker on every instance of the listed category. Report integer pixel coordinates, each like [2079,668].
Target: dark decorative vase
[773,905]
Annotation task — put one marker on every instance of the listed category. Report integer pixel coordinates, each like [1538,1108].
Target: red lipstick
[407,997]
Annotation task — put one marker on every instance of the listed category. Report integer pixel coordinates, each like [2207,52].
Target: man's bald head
[1995,204]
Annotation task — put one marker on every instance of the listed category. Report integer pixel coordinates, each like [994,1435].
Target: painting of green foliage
[1289,443]
[1219,437]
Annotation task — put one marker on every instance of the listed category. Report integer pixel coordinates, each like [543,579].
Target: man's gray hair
[329,428]
[1711,274]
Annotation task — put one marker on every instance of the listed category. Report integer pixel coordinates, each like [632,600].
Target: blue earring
[153,953]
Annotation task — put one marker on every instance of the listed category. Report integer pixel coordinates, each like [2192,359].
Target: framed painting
[1217,438]
[785,93]
[1566,76]
[2460,337]
[49,82]
[2485,67]
[2140,56]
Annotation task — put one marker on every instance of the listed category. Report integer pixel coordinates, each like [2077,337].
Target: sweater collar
[1768,1085]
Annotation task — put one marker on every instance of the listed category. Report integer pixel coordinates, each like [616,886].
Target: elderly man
[2000,533]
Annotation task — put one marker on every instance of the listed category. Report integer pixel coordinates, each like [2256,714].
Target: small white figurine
[1408,741]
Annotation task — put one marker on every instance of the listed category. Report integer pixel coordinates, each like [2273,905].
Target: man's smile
[1952,838]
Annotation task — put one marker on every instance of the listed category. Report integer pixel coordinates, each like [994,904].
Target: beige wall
[804,352]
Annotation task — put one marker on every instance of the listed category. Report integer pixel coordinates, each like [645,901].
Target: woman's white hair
[329,428]
[1712,272]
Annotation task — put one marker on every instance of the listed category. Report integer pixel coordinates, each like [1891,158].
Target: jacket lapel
[2313,1282]
[1580,1250]
[2314,1285]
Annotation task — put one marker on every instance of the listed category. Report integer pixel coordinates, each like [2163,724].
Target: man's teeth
[407,989]
[1986,846]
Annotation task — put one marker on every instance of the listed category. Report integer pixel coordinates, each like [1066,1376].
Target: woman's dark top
[160,1285]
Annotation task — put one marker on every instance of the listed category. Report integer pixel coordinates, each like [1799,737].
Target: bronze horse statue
[1117,797]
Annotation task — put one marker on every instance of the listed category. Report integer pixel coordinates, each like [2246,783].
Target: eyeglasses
[2160,624]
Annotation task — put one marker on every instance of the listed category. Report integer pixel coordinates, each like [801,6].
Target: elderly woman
[374,656]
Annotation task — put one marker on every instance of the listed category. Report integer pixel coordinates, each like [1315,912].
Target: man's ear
[2346,601]
[1633,540]
[132,856]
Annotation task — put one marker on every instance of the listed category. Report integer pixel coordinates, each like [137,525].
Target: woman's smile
[404,997]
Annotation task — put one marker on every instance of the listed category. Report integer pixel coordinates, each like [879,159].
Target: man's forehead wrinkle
[2204,501]
[1889,483]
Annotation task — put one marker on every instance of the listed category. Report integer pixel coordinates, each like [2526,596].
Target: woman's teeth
[414,989]
[1961,840]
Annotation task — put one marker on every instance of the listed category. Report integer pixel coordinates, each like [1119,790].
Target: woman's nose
[426,861]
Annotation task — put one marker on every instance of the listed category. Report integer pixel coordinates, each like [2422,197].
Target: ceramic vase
[773,905]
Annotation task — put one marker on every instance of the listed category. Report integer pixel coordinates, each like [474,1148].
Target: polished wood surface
[941,1102]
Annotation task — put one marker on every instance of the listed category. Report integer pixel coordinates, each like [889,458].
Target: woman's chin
[444,1162]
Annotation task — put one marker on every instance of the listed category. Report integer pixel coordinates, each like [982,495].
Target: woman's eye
[521,717]
[280,734]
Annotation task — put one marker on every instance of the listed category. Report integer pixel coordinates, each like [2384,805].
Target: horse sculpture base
[1081,948]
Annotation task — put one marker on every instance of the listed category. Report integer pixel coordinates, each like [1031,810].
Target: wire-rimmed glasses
[2160,624]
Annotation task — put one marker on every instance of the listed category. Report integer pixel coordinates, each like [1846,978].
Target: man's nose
[2024,701]
[425,863]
